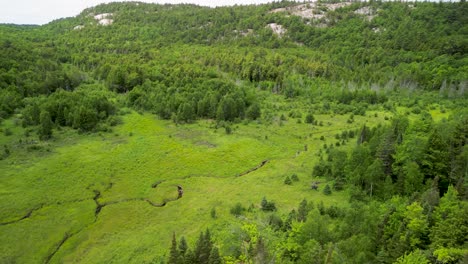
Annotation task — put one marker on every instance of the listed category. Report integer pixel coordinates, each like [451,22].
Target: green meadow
[51,191]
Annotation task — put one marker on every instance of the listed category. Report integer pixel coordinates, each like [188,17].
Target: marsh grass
[146,159]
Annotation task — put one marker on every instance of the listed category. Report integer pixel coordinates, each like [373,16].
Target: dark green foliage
[213,213]
[253,111]
[237,210]
[6,152]
[303,211]
[327,190]
[292,216]
[203,248]
[7,132]
[228,129]
[174,254]
[267,205]
[275,221]
[309,119]
[204,251]
[287,181]
[294,177]
[183,247]
[45,128]
[215,258]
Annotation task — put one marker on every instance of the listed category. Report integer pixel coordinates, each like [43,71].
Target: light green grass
[124,165]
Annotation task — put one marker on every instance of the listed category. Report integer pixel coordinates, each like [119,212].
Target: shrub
[327,190]
[309,119]
[275,222]
[287,181]
[228,129]
[268,206]
[213,213]
[333,211]
[114,120]
[294,177]
[237,209]
[7,132]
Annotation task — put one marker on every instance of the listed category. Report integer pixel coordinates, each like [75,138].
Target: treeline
[407,181]
[403,158]
[179,50]
[423,228]
[212,98]
[204,251]
[85,109]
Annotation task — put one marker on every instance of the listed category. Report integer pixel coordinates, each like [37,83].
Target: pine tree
[436,163]
[327,190]
[215,258]
[190,257]
[183,247]
[174,255]
[302,211]
[203,248]
[291,217]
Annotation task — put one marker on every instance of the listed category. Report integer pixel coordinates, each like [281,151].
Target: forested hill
[123,45]
[415,45]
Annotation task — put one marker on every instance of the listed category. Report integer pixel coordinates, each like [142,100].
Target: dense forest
[374,92]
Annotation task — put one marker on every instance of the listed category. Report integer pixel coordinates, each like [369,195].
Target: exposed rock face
[277,29]
[104,19]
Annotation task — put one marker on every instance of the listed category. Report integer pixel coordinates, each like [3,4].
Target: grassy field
[90,198]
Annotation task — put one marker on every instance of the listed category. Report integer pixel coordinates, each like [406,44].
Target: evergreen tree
[203,248]
[292,216]
[190,257]
[436,162]
[174,254]
[183,247]
[375,177]
[215,258]
[302,211]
